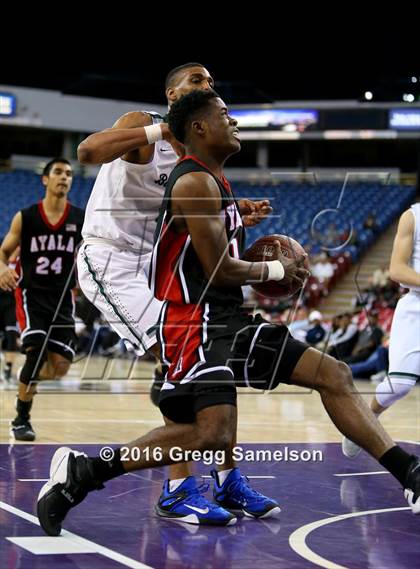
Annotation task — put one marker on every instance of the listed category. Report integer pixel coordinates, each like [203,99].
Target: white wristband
[275,271]
[153,133]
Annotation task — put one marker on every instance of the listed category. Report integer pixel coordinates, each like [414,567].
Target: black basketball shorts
[210,351]
[8,324]
[46,320]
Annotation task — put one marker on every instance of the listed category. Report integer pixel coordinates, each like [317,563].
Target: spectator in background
[335,324]
[370,223]
[317,332]
[369,339]
[345,337]
[366,298]
[323,270]
[380,277]
[376,363]
[390,294]
[297,322]
[349,237]
[332,331]
[332,236]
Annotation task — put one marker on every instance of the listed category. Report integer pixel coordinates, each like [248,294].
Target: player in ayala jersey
[48,233]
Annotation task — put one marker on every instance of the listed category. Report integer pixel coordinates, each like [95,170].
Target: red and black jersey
[47,252]
[176,274]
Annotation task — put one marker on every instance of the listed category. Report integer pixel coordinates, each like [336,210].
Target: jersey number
[234,249]
[43,266]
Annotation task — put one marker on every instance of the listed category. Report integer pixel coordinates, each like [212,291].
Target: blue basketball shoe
[187,504]
[236,494]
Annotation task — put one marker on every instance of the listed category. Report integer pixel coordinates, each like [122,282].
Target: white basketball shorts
[404,344]
[116,282]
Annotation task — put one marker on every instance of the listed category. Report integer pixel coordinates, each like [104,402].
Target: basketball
[264,249]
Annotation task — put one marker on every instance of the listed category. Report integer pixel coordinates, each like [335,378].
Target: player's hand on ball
[294,269]
[284,279]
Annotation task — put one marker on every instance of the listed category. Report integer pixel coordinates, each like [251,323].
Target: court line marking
[111,421]
[248,476]
[297,540]
[126,492]
[412,442]
[96,548]
[19,444]
[126,474]
[363,473]
[33,479]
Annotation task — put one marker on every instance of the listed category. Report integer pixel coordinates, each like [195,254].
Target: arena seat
[306,212]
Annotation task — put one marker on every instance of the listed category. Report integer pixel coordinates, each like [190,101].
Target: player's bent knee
[63,367]
[334,376]
[61,371]
[393,388]
[345,374]
[33,363]
[58,366]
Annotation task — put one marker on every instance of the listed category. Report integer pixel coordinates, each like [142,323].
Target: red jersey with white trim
[47,252]
[176,273]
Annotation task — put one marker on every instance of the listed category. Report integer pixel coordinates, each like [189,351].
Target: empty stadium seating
[325,216]
[306,212]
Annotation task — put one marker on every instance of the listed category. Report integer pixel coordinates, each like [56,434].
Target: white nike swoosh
[199,510]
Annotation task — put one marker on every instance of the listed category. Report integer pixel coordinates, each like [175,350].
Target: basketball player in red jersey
[48,233]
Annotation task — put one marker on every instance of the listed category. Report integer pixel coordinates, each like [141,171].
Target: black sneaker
[158,381]
[7,373]
[22,430]
[71,478]
[412,486]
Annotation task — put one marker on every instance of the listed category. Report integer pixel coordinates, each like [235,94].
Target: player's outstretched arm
[8,276]
[196,202]
[399,269]
[132,138]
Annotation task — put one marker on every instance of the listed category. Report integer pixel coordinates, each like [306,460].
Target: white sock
[174,484]
[223,474]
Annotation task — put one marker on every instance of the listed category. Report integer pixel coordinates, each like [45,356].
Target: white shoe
[412,487]
[349,448]
[378,377]
[414,504]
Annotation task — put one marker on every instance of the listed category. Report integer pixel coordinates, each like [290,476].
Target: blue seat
[294,204]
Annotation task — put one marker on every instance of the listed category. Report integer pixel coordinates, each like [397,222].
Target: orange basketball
[264,249]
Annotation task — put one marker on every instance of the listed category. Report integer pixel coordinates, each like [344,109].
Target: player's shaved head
[174,74]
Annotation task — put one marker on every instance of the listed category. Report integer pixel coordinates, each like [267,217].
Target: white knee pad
[391,389]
